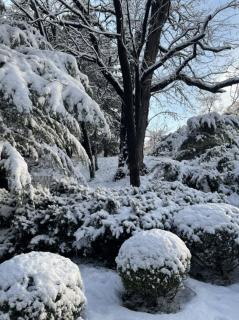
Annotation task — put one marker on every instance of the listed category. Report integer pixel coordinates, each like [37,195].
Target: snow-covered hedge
[153,264]
[211,231]
[96,222]
[40,285]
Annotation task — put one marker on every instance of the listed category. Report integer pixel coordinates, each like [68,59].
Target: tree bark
[123,154]
[87,146]
[95,155]
[123,157]
[128,106]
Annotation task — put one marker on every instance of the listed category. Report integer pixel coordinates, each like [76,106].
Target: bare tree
[159,43]
[210,102]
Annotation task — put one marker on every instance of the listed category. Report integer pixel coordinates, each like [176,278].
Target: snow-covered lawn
[103,290]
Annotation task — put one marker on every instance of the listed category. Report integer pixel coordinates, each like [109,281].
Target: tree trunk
[95,154]
[106,151]
[128,98]
[123,157]
[142,124]
[87,146]
[133,154]
[123,154]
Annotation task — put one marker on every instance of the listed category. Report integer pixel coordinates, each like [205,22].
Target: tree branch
[214,88]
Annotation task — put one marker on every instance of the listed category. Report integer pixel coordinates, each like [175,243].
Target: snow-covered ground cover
[103,289]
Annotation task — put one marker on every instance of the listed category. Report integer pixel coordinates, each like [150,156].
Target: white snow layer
[154,249]
[208,218]
[103,289]
[38,281]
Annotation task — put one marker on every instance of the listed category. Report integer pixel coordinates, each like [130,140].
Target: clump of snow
[154,249]
[40,285]
[16,169]
[207,218]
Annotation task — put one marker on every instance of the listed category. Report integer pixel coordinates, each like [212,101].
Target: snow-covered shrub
[73,218]
[40,285]
[15,170]
[211,232]
[213,167]
[43,100]
[201,133]
[204,177]
[153,264]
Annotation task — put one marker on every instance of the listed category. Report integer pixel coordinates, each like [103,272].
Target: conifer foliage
[44,98]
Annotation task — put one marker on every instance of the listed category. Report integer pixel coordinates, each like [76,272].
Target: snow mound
[40,285]
[154,249]
[207,218]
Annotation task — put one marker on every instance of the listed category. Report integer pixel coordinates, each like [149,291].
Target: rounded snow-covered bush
[211,232]
[40,286]
[152,264]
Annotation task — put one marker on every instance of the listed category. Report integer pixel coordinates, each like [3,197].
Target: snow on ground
[103,289]
[107,169]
